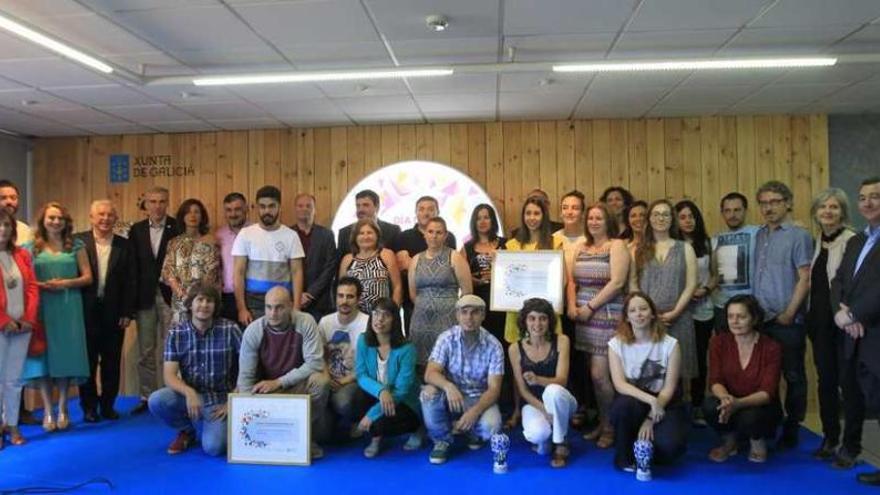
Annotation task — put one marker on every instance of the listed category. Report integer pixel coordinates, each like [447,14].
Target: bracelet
[592,309]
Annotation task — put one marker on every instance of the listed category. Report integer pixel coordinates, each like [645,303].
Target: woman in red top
[744,368]
[19,300]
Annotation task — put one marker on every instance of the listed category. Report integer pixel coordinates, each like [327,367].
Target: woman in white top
[649,422]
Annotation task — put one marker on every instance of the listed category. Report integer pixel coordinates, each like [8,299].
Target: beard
[268,219]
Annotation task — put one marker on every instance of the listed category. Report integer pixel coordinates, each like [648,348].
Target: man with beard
[235,209]
[340,332]
[320,263]
[201,359]
[108,307]
[266,255]
[733,255]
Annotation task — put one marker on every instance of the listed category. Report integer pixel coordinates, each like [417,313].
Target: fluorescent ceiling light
[319,76]
[720,64]
[56,46]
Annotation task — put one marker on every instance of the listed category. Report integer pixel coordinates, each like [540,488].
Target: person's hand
[466,421]
[725,408]
[245,317]
[54,284]
[266,386]
[668,317]
[11,327]
[657,412]
[699,293]
[785,318]
[387,402]
[855,330]
[220,412]
[530,377]
[193,404]
[646,432]
[335,385]
[306,299]
[572,313]
[454,398]
[24,326]
[365,424]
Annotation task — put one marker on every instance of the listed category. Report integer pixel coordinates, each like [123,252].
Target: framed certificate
[521,275]
[269,429]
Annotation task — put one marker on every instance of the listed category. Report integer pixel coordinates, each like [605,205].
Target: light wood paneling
[700,158]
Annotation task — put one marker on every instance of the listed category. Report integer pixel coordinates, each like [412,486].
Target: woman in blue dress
[62,268]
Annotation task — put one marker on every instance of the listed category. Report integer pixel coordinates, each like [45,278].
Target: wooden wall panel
[701,158]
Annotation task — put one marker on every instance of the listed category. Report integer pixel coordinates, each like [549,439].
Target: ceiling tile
[333,55]
[317,121]
[790,93]
[301,111]
[34,9]
[686,14]
[180,93]
[684,111]
[358,108]
[182,126]
[389,118]
[462,82]
[104,95]
[660,44]
[148,113]
[291,23]
[793,40]
[257,123]
[134,5]
[819,13]
[565,16]
[48,73]
[710,96]
[124,128]
[537,105]
[866,39]
[12,47]
[277,92]
[77,117]
[446,51]
[560,47]
[481,103]
[223,111]
[842,73]
[378,87]
[28,98]
[731,77]
[544,82]
[405,19]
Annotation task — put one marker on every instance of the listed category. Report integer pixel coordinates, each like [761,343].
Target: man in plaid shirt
[201,368]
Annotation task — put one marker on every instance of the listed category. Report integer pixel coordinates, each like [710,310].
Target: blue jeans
[170,407]
[438,418]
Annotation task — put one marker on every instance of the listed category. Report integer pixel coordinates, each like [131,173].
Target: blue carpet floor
[131,454]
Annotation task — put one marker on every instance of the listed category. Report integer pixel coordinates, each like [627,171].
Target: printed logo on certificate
[521,275]
[269,429]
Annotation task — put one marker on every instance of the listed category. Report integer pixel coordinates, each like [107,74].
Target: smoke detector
[437,23]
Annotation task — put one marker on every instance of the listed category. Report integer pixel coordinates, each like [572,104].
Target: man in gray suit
[320,264]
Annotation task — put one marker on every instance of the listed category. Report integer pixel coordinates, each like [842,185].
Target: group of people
[664,325]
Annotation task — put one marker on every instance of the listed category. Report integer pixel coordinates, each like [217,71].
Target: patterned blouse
[190,260]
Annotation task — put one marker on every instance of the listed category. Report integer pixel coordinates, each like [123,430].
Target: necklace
[11,281]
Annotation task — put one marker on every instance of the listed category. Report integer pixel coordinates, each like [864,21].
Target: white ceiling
[44,95]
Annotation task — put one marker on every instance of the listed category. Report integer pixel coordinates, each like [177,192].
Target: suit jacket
[861,292]
[120,286]
[389,235]
[148,266]
[320,268]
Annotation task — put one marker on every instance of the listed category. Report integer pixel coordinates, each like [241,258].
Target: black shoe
[26,417]
[141,408]
[90,416]
[844,459]
[109,413]
[826,451]
[869,478]
[789,438]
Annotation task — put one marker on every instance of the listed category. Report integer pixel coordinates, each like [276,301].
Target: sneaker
[843,459]
[542,448]
[414,442]
[373,448]
[440,453]
[316,451]
[184,440]
[643,474]
[475,442]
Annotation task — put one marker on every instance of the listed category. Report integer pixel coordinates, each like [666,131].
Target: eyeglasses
[771,202]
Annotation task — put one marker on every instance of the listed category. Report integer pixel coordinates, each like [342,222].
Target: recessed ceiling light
[437,23]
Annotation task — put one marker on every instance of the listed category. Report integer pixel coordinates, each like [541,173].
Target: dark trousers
[228,308]
[793,340]
[751,422]
[702,332]
[869,382]
[670,434]
[405,420]
[579,384]
[836,375]
[721,320]
[104,342]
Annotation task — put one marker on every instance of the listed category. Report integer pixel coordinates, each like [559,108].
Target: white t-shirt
[269,253]
[645,363]
[340,342]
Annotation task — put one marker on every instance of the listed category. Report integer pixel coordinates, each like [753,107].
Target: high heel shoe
[15,437]
[48,422]
[63,421]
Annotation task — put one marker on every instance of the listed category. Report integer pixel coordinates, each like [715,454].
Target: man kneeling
[282,352]
[201,358]
[463,382]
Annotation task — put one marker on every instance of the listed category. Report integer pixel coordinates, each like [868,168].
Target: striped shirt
[268,254]
[208,363]
[469,369]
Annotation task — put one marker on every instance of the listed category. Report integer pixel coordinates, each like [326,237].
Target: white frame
[546,264]
[292,408]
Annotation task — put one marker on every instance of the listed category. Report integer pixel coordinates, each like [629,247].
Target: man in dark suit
[367,205]
[108,307]
[320,264]
[149,238]
[855,291]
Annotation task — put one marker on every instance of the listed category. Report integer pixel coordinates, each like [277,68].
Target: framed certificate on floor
[269,429]
[521,275]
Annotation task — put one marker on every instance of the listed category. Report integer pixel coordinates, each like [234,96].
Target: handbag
[37,346]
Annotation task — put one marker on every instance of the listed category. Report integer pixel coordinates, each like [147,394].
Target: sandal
[606,439]
[758,452]
[49,422]
[722,452]
[15,437]
[592,435]
[559,458]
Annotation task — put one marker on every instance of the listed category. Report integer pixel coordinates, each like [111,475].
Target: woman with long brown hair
[62,268]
